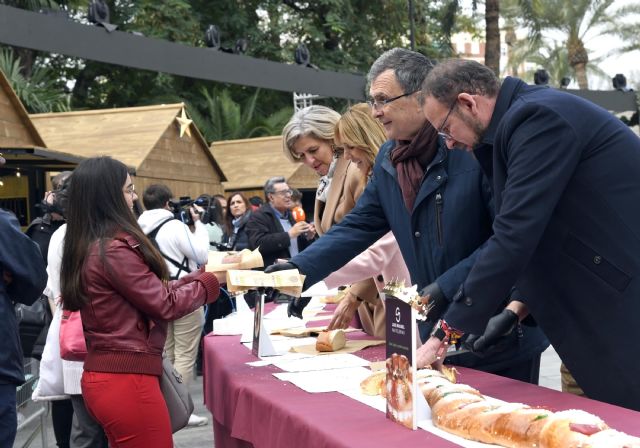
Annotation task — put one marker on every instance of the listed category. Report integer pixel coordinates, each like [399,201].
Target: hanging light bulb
[18,174]
[1,183]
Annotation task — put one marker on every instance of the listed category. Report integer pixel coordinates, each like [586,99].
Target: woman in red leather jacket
[118,280]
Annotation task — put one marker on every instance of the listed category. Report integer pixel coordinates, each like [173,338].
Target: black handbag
[33,325]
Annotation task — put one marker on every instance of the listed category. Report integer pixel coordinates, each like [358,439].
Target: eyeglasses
[379,104]
[131,189]
[441,132]
[284,192]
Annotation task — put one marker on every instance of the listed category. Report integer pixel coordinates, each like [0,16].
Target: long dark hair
[229,217]
[96,212]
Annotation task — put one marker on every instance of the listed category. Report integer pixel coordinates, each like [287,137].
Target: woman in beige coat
[308,138]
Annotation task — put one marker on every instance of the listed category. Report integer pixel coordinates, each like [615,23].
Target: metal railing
[23,400]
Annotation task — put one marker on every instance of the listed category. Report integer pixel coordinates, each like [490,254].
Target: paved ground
[203,436]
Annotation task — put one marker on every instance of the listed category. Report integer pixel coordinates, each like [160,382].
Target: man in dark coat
[23,277]
[273,230]
[439,209]
[566,178]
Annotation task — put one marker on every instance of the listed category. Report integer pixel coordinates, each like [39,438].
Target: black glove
[437,303]
[280,267]
[496,334]
[296,306]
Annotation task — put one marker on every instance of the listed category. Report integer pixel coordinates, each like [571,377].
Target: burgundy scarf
[411,158]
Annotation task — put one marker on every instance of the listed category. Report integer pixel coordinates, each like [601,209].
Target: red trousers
[129,407]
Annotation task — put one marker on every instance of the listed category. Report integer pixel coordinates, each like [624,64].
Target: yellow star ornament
[184,123]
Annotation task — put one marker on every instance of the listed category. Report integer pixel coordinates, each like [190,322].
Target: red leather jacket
[125,320]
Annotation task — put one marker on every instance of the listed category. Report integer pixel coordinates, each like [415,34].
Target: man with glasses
[438,205]
[566,177]
[273,229]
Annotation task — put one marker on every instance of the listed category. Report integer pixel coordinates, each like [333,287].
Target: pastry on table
[331,341]
[374,384]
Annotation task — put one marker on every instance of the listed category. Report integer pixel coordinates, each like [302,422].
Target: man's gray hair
[410,68]
[269,185]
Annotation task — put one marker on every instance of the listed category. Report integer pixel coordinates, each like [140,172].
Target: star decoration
[184,123]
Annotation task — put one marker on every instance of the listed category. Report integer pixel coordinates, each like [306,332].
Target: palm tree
[575,20]
[39,93]
[629,31]
[220,117]
[492,35]
[550,55]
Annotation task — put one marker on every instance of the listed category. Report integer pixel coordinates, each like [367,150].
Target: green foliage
[219,117]
[342,35]
[40,93]
[575,20]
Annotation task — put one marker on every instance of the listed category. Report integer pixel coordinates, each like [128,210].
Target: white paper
[325,362]
[272,359]
[283,344]
[324,380]
[319,289]
[377,402]
[233,324]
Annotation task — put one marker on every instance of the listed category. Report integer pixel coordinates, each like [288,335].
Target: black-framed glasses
[284,192]
[441,132]
[379,104]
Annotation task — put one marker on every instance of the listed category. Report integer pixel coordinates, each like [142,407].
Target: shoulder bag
[176,395]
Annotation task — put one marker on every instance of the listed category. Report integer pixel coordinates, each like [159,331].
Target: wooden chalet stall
[248,163]
[159,143]
[24,179]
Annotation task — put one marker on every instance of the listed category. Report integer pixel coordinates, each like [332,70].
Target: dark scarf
[411,158]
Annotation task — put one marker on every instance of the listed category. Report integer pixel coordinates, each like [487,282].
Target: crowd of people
[511,207]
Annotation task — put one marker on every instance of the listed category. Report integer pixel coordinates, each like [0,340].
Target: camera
[56,200]
[181,209]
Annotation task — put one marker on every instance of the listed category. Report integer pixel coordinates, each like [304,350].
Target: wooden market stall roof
[20,141]
[127,134]
[248,163]
[16,129]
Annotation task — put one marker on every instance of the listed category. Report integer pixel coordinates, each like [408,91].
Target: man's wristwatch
[446,333]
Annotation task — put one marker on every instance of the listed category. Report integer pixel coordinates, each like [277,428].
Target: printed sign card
[405,403]
[262,345]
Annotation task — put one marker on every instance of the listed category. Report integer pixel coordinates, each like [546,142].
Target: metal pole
[412,26]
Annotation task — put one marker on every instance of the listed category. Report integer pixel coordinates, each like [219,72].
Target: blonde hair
[314,121]
[357,128]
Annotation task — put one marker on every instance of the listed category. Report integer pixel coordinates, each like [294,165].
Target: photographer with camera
[183,241]
[41,228]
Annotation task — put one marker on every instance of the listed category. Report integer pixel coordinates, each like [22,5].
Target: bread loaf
[374,384]
[330,341]
[465,412]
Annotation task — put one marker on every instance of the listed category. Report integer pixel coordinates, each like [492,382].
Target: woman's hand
[344,313]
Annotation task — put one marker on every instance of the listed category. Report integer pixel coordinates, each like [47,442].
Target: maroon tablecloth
[250,407]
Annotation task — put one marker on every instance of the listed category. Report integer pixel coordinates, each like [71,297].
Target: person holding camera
[41,228]
[184,248]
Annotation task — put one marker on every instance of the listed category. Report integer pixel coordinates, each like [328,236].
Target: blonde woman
[308,138]
[360,136]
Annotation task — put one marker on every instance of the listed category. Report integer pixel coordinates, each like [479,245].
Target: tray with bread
[461,410]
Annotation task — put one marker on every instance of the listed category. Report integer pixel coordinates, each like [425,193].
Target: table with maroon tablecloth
[251,407]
